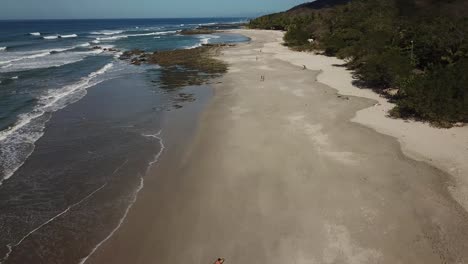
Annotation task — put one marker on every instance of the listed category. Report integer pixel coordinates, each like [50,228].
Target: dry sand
[446,149]
[277,173]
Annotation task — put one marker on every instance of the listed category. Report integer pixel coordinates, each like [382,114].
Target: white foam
[28,55]
[11,247]
[107,32]
[111,38]
[50,37]
[153,33]
[68,36]
[84,45]
[54,58]
[193,46]
[3,48]
[204,39]
[134,198]
[207,24]
[15,77]
[30,126]
[35,34]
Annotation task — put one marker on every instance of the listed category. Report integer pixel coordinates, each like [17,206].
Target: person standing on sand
[219,261]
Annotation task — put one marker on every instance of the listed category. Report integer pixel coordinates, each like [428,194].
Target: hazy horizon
[138,9]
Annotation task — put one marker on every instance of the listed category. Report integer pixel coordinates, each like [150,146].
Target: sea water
[78,129]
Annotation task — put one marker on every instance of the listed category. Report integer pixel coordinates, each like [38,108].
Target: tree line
[419,48]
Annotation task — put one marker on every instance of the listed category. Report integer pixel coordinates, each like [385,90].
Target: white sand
[446,149]
[277,173]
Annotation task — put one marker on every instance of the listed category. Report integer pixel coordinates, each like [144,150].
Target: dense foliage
[418,47]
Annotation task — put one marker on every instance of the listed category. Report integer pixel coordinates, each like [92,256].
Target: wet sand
[277,173]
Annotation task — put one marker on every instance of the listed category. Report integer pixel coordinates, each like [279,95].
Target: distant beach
[281,170]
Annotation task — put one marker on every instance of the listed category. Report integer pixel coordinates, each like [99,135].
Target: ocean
[79,128]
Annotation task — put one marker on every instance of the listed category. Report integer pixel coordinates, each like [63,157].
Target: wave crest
[17,142]
[50,37]
[107,32]
[68,36]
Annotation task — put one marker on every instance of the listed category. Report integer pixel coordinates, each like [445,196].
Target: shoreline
[445,149]
[269,175]
[179,127]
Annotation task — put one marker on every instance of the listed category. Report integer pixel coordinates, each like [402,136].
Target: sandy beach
[283,170]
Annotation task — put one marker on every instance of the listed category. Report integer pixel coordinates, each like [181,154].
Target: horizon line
[133,18]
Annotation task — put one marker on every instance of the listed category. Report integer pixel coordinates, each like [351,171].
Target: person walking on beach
[219,261]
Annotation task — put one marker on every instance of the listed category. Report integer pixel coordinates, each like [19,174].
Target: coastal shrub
[296,36]
[440,95]
[383,70]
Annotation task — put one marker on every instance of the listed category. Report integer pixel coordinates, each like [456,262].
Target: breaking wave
[17,142]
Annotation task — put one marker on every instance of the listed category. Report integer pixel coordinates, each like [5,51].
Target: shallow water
[78,130]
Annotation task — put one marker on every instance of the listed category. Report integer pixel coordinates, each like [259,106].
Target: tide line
[135,196]
[11,247]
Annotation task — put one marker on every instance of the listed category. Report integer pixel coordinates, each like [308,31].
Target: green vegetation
[418,47]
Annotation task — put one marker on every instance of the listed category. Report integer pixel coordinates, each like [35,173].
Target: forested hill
[419,47]
[318,4]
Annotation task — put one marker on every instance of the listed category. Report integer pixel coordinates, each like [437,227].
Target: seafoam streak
[12,247]
[107,32]
[135,196]
[35,54]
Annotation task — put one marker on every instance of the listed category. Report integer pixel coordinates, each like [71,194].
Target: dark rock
[135,61]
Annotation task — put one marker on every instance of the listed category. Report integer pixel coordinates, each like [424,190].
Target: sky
[75,9]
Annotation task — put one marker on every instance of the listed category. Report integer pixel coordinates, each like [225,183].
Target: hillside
[318,4]
[280,20]
[416,47]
